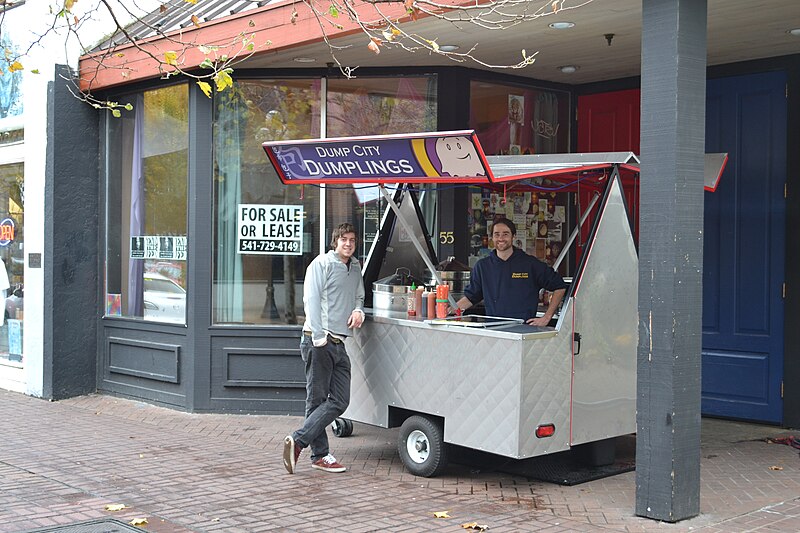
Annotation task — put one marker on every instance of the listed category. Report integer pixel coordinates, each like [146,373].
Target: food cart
[490,383]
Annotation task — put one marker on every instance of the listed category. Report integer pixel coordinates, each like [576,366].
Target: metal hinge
[781,389]
[785,190]
[784,290]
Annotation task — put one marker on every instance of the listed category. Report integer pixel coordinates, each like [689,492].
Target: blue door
[744,249]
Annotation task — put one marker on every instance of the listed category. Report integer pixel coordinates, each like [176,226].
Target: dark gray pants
[327,393]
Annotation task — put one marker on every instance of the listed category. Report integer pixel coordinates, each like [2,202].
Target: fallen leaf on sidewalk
[115,507]
[476,526]
[138,522]
[441,514]
[776,468]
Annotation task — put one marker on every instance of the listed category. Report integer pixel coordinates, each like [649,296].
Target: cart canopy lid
[570,172]
[449,157]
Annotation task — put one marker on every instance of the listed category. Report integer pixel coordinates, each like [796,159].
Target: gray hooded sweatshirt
[332,290]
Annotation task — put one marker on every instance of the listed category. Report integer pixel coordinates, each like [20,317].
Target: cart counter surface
[498,327]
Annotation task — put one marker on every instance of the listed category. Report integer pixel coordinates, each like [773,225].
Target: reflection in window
[376,106]
[147,208]
[253,286]
[513,120]
[12,261]
[519,120]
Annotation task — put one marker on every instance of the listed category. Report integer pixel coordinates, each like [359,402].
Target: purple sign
[454,156]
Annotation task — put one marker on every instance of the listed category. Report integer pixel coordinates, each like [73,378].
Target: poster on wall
[114,304]
[158,247]
[516,115]
[269,229]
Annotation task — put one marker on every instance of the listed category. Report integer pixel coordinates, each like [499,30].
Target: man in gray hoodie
[333,297]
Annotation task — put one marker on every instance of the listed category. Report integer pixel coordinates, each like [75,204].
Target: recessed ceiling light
[449,47]
[561,25]
[304,60]
[795,32]
[568,69]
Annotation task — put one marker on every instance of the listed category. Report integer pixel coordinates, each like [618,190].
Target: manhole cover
[106,525]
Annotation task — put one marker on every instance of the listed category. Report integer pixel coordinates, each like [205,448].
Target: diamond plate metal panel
[486,384]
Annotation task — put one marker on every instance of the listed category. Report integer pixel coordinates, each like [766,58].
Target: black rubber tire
[429,453]
[342,427]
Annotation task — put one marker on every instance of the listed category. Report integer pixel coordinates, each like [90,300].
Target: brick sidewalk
[62,462]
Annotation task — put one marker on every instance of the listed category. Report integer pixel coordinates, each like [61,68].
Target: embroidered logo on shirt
[519,275]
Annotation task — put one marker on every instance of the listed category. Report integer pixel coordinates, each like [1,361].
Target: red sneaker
[291,452]
[328,464]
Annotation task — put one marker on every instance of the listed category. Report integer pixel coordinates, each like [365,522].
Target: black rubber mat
[563,468]
[105,525]
[581,464]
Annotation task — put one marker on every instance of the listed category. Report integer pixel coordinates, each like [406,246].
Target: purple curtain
[136,266]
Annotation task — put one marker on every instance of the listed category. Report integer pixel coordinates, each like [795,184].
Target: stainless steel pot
[391,293]
[453,273]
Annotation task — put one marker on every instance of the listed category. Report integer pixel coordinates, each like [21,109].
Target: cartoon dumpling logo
[458,157]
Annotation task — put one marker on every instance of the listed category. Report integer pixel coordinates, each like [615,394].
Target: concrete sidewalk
[63,462]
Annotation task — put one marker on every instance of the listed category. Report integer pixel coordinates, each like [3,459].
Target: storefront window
[259,263]
[376,106]
[12,262]
[266,233]
[147,208]
[512,120]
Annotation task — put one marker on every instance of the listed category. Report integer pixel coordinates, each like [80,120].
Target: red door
[609,122]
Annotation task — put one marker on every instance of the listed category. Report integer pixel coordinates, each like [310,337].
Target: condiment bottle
[431,303]
[418,302]
[411,300]
[442,302]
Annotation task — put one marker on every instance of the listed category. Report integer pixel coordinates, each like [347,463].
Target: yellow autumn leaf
[140,521]
[68,4]
[170,58]
[115,507]
[205,87]
[476,526]
[223,80]
[195,21]
[190,1]
[776,468]
[15,66]
[441,514]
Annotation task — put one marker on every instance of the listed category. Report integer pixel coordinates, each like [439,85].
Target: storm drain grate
[105,525]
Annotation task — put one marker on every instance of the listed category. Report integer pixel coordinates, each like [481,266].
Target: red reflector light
[545,430]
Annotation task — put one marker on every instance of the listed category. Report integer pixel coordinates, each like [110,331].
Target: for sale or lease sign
[270,229]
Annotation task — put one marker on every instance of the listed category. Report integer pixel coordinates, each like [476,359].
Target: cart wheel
[422,447]
[342,427]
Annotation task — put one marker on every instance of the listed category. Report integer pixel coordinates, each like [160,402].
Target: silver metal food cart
[495,384]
